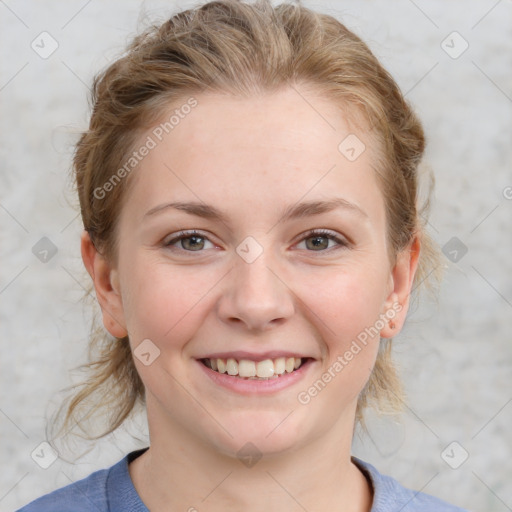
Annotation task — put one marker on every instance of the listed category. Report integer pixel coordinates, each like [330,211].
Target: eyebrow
[295,211]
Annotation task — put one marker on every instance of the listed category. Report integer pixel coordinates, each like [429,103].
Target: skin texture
[252,158]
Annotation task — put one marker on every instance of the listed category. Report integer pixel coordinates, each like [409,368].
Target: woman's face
[256,285]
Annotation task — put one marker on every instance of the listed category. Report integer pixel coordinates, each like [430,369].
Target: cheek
[348,304]
[163,302]
[346,300]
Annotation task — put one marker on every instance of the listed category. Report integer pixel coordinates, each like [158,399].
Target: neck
[182,472]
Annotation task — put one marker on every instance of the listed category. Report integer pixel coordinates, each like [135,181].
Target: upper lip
[253,356]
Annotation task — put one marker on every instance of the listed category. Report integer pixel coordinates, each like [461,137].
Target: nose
[256,296]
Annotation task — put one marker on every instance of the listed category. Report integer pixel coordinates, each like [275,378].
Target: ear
[401,281]
[106,284]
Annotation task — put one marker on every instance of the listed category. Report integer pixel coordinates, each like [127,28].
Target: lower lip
[255,386]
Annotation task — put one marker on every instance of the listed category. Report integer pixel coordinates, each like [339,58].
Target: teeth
[264,370]
[221,365]
[247,368]
[280,365]
[232,367]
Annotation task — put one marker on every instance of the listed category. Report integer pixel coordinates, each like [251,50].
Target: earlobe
[397,304]
[106,285]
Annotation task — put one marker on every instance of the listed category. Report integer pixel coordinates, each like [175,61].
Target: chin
[263,433]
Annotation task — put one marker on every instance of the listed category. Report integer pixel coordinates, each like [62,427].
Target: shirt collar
[121,493]
[123,497]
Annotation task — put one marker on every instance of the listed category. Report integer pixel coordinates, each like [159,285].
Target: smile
[255,370]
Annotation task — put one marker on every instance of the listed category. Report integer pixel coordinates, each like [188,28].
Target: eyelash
[310,234]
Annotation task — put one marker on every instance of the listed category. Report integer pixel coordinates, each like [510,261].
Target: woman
[248,188]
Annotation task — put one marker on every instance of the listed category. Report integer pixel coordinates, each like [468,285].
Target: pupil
[193,238]
[316,242]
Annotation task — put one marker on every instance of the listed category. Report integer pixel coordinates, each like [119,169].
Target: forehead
[284,145]
[284,122]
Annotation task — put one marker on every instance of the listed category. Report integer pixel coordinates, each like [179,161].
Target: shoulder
[109,489]
[84,495]
[390,495]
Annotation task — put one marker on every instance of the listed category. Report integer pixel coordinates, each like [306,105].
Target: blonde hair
[243,49]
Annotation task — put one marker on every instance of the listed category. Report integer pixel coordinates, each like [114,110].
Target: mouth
[247,369]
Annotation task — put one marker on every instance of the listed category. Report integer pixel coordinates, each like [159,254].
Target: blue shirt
[112,490]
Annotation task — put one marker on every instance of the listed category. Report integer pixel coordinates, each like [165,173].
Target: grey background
[455,354]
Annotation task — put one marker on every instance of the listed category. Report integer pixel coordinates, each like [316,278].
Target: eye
[191,241]
[320,240]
